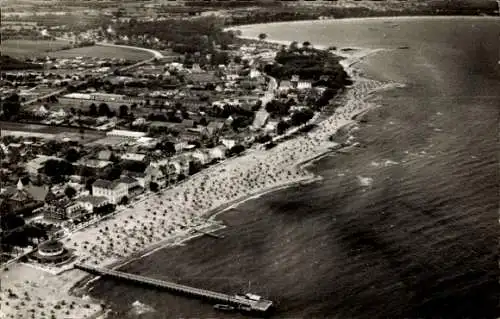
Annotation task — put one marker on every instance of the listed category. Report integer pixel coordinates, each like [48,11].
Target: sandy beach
[171,217]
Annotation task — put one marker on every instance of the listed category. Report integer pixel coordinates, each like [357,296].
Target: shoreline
[316,148]
[361,19]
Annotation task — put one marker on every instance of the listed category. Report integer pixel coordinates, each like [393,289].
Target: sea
[404,226]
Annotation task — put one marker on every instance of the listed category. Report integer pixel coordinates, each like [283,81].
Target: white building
[135,157]
[218,152]
[261,118]
[229,143]
[304,85]
[125,133]
[201,156]
[114,191]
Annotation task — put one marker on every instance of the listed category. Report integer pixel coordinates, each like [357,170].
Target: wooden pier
[240,302]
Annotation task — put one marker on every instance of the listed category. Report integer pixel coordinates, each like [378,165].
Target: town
[87,137]
[125,130]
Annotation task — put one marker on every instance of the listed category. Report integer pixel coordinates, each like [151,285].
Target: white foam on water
[139,308]
[365,181]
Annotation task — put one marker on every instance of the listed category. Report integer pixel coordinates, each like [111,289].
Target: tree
[154,187]
[57,168]
[133,106]
[282,127]
[11,221]
[88,183]
[123,111]
[11,106]
[70,192]
[72,155]
[166,147]
[236,150]
[294,46]
[93,110]
[301,117]
[114,173]
[194,167]
[306,44]
[104,109]
[124,200]
[262,36]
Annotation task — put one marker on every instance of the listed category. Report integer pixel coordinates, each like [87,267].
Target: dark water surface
[419,242]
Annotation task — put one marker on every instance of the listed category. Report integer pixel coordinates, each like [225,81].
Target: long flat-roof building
[85,99]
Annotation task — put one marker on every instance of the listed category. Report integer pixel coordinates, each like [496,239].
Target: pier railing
[241,302]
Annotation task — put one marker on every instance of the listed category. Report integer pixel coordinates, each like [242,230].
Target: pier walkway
[241,302]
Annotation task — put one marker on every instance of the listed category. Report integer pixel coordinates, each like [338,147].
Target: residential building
[134,157]
[261,118]
[90,202]
[285,86]
[96,166]
[125,133]
[229,143]
[114,191]
[201,156]
[35,166]
[304,85]
[85,99]
[217,153]
[156,175]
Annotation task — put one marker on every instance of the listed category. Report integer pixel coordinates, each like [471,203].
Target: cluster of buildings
[153,126]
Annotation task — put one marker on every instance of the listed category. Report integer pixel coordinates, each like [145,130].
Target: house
[228,143]
[188,123]
[254,73]
[285,86]
[125,133]
[156,175]
[90,202]
[217,153]
[57,209]
[96,166]
[139,122]
[74,210]
[261,118]
[114,191]
[134,157]
[201,79]
[139,179]
[304,85]
[134,185]
[104,155]
[18,200]
[201,156]
[34,166]
[212,129]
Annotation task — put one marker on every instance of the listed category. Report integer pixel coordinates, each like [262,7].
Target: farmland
[103,52]
[31,48]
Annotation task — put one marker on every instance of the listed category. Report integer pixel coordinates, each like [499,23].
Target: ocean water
[405,226]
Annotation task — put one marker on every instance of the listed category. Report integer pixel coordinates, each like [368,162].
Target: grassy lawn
[30,48]
[103,52]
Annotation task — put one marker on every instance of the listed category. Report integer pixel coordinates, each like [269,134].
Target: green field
[103,52]
[30,48]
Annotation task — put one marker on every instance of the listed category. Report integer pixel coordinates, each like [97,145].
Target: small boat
[404,47]
[223,307]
